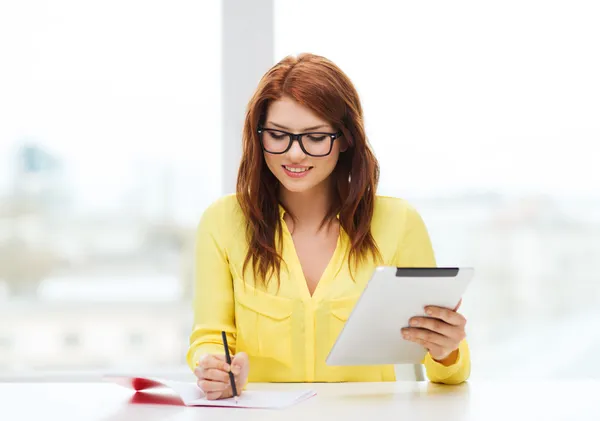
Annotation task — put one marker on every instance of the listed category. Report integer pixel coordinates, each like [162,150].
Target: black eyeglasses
[314,143]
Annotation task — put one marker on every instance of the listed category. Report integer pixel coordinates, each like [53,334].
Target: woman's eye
[317,138]
[277,136]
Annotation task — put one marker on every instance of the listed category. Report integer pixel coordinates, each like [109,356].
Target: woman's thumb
[239,361]
[458,305]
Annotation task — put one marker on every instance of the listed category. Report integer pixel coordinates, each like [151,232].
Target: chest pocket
[264,324]
[340,312]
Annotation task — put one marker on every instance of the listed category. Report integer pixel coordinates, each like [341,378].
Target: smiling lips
[296,171]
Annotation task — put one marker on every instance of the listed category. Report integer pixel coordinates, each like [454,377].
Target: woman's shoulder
[223,213]
[391,204]
[394,210]
[401,232]
[227,202]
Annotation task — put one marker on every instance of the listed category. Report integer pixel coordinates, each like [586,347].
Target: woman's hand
[441,333]
[212,372]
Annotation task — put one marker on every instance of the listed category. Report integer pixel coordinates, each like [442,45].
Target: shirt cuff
[206,348]
[438,372]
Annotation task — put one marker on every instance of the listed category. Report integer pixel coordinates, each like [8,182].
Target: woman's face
[296,170]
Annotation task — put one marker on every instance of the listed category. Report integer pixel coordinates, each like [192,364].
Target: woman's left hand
[441,333]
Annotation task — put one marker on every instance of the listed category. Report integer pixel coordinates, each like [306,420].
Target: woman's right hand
[212,372]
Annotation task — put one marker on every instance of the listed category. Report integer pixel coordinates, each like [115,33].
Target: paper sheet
[191,395]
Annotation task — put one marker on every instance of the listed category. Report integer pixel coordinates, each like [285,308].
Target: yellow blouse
[286,332]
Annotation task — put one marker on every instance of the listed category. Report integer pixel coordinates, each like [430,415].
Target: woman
[280,264]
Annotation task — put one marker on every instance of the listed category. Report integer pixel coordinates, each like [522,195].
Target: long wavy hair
[318,84]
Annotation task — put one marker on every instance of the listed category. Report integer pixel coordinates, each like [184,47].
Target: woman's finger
[446,315]
[240,366]
[458,305]
[435,350]
[435,325]
[417,334]
[211,396]
[213,361]
[208,386]
[239,362]
[215,375]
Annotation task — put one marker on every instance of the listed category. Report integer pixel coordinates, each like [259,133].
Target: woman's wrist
[450,359]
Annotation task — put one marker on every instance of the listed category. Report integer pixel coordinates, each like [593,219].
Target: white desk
[577,400]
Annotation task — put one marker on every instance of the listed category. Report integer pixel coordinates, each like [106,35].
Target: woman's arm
[213,301]
[415,250]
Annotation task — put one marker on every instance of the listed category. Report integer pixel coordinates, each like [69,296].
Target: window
[71,341]
[109,153]
[485,117]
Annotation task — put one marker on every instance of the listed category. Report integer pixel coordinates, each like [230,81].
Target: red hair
[318,84]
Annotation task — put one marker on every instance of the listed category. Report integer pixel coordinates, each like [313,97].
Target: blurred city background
[485,116]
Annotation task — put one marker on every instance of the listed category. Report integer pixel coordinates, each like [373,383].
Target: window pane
[485,116]
[109,153]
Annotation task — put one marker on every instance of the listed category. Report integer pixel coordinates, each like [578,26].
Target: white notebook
[191,395]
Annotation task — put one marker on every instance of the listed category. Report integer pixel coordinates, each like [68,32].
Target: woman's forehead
[289,114]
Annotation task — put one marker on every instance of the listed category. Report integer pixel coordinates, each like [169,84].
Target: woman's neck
[309,207]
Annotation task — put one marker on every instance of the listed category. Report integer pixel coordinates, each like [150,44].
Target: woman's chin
[297,186]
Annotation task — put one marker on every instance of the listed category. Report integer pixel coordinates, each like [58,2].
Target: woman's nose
[295,153]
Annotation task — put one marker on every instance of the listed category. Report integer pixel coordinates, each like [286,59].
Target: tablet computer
[372,334]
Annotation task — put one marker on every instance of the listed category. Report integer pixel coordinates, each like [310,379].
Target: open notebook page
[191,395]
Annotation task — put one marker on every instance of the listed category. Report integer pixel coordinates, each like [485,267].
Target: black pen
[228,357]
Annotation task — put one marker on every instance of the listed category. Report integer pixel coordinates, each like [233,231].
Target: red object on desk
[137,383]
[155,399]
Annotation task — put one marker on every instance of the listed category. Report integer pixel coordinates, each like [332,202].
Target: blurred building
[38,224]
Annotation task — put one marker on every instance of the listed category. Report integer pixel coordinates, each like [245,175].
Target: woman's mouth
[296,171]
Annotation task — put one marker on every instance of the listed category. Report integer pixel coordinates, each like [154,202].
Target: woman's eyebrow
[305,130]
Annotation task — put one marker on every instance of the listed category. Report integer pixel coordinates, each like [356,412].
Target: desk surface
[575,400]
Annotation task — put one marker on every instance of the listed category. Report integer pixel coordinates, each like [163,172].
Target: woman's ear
[343,145]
